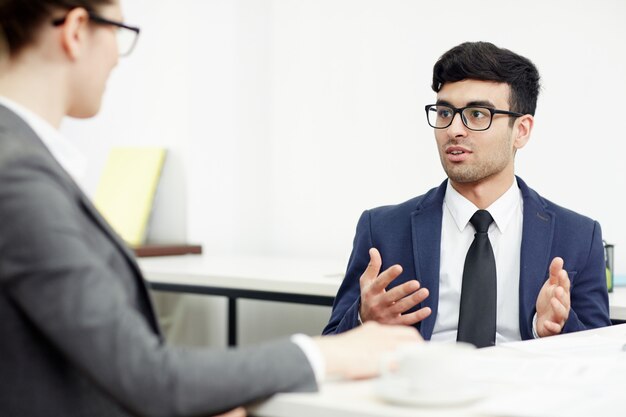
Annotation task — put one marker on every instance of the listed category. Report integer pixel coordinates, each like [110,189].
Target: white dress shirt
[457,234]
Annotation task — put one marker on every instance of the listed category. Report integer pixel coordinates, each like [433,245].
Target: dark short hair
[486,62]
[20,19]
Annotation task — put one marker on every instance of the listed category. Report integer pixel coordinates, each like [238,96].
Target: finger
[558,292]
[564,298]
[387,336]
[549,290]
[552,327]
[414,317]
[409,301]
[543,299]
[386,277]
[405,334]
[400,291]
[555,266]
[564,280]
[559,312]
[237,412]
[373,268]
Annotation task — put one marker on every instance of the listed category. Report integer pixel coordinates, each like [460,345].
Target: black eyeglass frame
[104,21]
[460,110]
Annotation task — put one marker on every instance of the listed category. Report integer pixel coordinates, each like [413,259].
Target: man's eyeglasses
[126,35]
[473,117]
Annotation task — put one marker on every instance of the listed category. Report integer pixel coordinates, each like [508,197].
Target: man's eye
[478,113]
[444,114]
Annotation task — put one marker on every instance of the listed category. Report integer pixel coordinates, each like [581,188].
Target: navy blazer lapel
[537,234]
[426,235]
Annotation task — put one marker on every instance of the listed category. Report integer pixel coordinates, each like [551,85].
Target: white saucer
[398,391]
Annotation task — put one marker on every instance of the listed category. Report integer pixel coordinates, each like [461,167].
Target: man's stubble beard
[469,173]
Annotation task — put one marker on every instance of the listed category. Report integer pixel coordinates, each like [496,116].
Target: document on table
[555,378]
[592,346]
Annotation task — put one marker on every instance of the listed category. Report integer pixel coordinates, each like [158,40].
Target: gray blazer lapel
[29,139]
[426,234]
[95,215]
[537,234]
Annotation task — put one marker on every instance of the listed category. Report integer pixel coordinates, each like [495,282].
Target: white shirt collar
[66,154]
[501,210]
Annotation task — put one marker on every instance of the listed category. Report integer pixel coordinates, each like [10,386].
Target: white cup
[437,371]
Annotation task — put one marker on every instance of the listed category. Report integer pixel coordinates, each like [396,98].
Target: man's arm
[363,296]
[345,314]
[568,304]
[589,295]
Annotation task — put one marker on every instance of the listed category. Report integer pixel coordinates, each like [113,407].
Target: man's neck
[485,192]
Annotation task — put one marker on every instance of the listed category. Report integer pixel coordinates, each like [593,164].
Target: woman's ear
[74,32]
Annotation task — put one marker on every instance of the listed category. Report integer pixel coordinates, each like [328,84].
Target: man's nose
[457,128]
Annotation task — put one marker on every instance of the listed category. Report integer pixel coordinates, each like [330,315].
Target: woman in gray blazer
[79,335]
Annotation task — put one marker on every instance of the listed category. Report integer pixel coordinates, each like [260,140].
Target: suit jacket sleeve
[69,295]
[589,296]
[348,300]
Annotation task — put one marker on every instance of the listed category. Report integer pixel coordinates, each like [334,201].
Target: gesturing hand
[553,302]
[387,306]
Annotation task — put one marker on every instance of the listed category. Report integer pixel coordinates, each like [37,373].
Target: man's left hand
[553,302]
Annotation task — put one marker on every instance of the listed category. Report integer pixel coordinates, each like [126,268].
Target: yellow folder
[126,190]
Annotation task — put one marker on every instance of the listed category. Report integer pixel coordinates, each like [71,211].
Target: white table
[304,281]
[352,399]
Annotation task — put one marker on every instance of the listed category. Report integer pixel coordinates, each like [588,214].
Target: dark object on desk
[608,258]
[144,251]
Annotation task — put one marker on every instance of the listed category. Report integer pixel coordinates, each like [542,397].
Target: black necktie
[477,315]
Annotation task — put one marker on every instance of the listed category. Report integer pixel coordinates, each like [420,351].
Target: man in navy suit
[547,273]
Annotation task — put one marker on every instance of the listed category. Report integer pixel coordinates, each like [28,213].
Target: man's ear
[521,130]
[74,32]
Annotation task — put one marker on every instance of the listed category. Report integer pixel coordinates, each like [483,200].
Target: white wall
[350,79]
[287,118]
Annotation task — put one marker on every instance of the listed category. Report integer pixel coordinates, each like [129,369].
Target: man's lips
[457,153]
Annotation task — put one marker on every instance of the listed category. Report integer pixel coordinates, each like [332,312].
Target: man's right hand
[386,307]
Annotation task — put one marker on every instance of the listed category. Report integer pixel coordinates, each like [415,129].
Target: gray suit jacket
[78,336]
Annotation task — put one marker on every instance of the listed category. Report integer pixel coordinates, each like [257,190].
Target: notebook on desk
[126,190]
